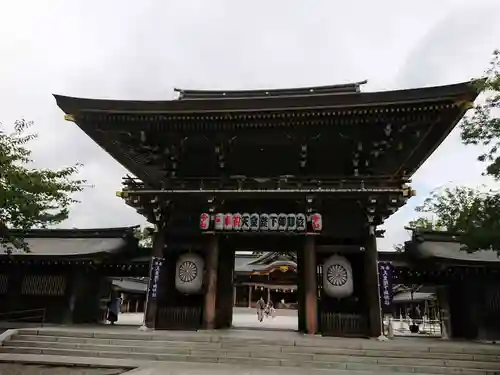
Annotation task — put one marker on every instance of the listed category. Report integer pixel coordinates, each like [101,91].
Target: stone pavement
[242,318]
[166,368]
[37,369]
[247,318]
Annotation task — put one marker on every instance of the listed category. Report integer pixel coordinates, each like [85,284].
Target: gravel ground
[20,369]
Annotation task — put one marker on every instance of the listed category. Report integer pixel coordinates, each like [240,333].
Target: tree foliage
[30,197]
[473,215]
[453,209]
[423,223]
[419,223]
[145,236]
[483,126]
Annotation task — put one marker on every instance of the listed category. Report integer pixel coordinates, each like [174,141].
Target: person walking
[261,305]
[114,308]
[270,309]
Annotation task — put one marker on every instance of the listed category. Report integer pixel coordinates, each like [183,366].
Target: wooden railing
[28,316]
[185,318]
[341,324]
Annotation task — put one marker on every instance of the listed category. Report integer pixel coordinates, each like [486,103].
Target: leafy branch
[29,197]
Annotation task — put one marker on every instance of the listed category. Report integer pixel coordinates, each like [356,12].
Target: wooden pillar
[225,288]
[268,294]
[443,297]
[310,286]
[211,282]
[372,287]
[250,296]
[151,309]
[234,295]
[301,301]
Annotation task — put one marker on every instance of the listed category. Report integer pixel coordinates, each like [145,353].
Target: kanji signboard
[385,285]
[261,222]
[154,277]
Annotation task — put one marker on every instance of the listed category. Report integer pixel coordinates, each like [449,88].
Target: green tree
[145,236]
[419,223]
[422,223]
[482,127]
[483,230]
[454,209]
[473,215]
[29,197]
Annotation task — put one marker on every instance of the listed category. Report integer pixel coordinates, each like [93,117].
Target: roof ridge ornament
[188,94]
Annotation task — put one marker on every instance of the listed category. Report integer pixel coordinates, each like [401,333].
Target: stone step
[409,367]
[122,341]
[314,345]
[427,357]
[383,357]
[251,350]
[163,336]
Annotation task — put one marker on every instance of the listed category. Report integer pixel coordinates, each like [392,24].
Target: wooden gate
[336,323]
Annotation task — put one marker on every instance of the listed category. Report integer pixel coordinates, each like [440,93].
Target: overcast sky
[127,49]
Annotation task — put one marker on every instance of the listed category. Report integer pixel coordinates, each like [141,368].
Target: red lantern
[228,221]
[204,221]
[317,222]
[237,221]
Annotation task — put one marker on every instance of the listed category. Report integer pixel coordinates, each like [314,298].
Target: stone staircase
[424,356]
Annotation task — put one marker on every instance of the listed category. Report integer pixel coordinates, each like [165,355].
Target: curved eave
[263,93]
[261,260]
[466,91]
[117,232]
[56,257]
[275,266]
[129,286]
[452,252]
[69,248]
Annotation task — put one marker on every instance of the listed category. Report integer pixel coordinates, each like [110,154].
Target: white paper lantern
[219,222]
[316,222]
[273,222]
[254,222]
[237,221]
[282,221]
[189,273]
[301,222]
[291,222]
[337,277]
[264,222]
[228,221]
[245,221]
[204,221]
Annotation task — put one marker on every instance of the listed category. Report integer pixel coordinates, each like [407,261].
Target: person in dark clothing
[114,308]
